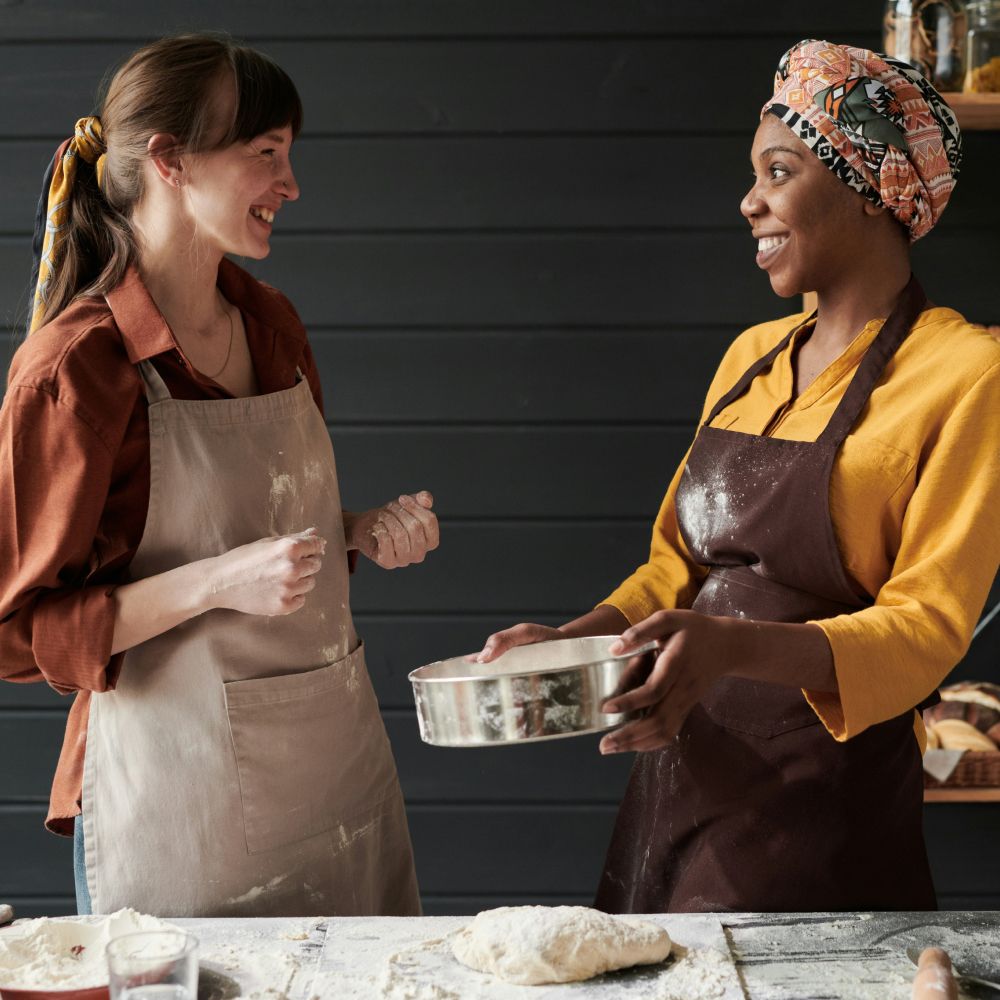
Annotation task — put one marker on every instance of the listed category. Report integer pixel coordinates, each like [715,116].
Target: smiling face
[809,225]
[232,194]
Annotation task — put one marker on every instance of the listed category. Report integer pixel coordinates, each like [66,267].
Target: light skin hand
[271,576]
[603,620]
[695,650]
[268,577]
[396,534]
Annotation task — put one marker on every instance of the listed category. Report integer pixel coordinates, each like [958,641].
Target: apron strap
[754,370]
[908,307]
[155,388]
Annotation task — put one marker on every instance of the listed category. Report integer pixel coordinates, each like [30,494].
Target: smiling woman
[823,551]
[169,498]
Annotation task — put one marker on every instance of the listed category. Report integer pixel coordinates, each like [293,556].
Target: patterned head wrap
[876,123]
[88,145]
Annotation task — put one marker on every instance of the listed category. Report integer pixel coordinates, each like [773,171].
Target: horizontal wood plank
[496,849]
[365,87]
[394,645]
[533,567]
[962,842]
[567,770]
[542,182]
[45,19]
[512,473]
[609,376]
[509,377]
[550,280]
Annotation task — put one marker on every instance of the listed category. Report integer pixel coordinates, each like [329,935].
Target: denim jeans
[83,906]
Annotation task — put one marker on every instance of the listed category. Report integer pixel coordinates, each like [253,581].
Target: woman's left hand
[396,534]
[695,650]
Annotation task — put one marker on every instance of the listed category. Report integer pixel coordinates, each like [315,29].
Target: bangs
[266,98]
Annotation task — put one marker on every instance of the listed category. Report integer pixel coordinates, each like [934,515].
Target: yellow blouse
[914,498]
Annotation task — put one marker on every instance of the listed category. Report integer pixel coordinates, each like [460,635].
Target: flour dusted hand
[396,534]
[268,577]
[531,945]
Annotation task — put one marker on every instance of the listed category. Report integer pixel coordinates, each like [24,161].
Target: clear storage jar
[982,75]
[931,36]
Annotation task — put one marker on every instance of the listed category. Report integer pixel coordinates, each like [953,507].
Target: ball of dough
[531,945]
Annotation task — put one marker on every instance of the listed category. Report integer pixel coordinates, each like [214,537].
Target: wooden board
[48,19]
[364,87]
[501,850]
[556,771]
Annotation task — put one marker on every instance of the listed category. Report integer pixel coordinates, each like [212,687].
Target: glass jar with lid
[982,74]
[930,35]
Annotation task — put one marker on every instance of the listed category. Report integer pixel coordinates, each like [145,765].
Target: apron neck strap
[911,302]
[754,370]
[152,382]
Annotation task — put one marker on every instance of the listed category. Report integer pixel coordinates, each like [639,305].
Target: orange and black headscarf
[876,122]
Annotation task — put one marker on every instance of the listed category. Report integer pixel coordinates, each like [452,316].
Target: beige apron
[241,767]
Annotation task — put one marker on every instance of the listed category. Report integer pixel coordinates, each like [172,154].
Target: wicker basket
[976,769]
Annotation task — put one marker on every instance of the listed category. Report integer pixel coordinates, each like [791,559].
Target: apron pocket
[311,751]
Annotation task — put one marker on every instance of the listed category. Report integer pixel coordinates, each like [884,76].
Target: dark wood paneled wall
[519,253]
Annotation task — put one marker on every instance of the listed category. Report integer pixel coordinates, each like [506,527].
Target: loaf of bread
[973,712]
[978,692]
[954,734]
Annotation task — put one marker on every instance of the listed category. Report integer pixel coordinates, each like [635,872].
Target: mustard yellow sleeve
[892,655]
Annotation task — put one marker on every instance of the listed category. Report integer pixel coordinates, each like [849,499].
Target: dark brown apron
[754,806]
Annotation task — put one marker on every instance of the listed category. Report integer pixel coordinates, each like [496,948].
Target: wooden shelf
[976,112]
[962,795]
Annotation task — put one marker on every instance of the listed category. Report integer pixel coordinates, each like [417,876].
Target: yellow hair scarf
[87,144]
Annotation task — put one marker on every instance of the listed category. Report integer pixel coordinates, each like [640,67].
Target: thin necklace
[229,350]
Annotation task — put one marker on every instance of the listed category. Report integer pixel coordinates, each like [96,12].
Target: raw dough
[530,945]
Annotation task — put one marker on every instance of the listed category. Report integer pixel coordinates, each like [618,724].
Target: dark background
[519,255]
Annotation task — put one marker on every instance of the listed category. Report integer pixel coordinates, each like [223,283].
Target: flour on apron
[241,767]
[754,806]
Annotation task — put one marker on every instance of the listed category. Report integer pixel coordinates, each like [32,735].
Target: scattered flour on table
[66,954]
[428,971]
[266,970]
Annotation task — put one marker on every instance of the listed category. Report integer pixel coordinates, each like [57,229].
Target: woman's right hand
[520,635]
[268,577]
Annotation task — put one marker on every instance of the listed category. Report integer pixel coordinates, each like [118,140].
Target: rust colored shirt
[74,481]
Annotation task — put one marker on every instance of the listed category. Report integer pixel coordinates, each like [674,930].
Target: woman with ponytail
[172,546]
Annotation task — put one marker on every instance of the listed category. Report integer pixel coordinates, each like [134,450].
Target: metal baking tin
[544,691]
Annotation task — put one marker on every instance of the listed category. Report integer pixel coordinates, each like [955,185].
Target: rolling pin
[934,979]
[6,914]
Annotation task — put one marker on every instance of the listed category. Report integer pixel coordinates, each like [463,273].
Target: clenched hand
[396,534]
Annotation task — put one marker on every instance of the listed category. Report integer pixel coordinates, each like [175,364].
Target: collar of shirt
[275,334]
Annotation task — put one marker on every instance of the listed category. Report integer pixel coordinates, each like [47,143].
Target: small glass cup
[153,965]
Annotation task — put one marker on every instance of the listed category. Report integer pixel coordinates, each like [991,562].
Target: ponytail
[80,240]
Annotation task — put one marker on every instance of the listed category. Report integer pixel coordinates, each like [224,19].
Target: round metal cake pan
[544,691]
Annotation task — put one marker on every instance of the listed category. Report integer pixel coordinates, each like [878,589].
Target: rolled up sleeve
[55,473]
[890,656]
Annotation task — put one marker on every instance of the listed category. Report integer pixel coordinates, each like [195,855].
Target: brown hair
[166,87]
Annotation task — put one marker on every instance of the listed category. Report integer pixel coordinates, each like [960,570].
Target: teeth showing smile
[264,214]
[770,243]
